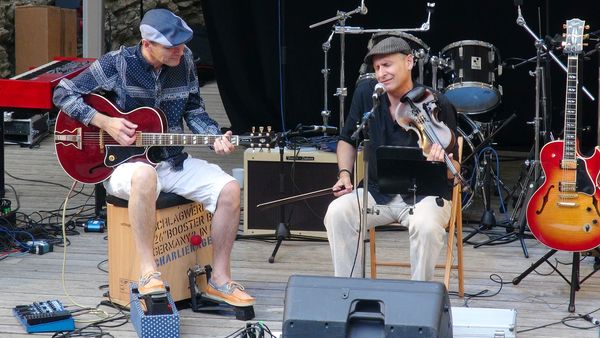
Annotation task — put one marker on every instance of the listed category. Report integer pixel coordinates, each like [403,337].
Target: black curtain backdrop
[244,38]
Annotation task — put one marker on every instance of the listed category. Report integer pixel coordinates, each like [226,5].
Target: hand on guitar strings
[223,145]
[120,129]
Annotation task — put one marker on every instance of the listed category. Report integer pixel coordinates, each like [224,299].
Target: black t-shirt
[383,130]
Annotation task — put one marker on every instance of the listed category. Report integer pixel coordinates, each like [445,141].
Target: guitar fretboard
[570,155]
[158,139]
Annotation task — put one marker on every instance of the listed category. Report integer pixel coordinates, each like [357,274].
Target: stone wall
[122,18]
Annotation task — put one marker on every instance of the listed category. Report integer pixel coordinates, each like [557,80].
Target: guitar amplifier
[267,179]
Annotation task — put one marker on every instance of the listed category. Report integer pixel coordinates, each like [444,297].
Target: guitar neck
[165,140]
[569,155]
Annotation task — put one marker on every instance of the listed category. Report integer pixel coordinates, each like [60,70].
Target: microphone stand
[283,228]
[365,210]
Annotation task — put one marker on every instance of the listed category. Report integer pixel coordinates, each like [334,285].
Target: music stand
[404,170]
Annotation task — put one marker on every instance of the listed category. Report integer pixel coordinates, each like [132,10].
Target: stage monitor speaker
[304,171]
[335,307]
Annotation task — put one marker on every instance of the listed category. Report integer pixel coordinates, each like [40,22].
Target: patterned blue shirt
[126,73]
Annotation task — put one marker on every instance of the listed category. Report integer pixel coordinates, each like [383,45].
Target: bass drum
[420,52]
[472,137]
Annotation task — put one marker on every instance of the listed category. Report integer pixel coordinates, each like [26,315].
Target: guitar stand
[199,303]
[575,282]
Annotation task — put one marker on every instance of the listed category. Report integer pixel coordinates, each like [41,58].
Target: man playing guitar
[159,72]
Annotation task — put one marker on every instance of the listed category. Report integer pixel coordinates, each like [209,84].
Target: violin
[419,113]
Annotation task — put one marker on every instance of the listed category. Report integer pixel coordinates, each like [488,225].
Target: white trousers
[198,181]
[426,231]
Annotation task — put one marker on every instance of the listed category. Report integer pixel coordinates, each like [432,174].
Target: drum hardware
[597,51]
[530,182]
[542,47]
[437,63]
[341,29]
[489,178]
[472,135]
[325,113]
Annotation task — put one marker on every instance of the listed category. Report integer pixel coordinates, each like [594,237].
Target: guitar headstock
[261,138]
[574,36]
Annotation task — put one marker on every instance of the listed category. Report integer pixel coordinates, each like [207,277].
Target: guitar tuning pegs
[261,129]
[564,25]
[253,130]
[587,26]
[269,129]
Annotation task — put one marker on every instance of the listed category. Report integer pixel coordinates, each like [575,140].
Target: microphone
[379,90]
[321,129]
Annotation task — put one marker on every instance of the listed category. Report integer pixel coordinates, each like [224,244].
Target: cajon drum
[177,219]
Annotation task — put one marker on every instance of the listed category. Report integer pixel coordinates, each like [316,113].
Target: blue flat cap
[164,27]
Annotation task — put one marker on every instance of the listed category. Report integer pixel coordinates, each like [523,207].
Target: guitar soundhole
[92,169]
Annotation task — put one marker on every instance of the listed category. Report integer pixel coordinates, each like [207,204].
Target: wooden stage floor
[79,276]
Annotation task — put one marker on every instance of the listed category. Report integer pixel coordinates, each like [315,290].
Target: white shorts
[198,181]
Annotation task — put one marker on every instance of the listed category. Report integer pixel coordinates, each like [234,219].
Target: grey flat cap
[389,45]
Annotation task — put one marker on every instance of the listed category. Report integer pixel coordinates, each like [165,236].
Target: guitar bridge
[73,139]
[567,204]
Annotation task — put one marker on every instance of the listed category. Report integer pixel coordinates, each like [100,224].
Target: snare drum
[471,76]
[420,52]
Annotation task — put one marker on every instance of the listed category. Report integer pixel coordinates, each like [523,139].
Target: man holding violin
[392,60]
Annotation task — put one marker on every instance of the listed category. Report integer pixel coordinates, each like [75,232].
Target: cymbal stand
[341,17]
[528,184]
[531,180]
[341,29]
[325,113]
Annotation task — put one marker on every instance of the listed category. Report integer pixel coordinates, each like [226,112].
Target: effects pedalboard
[46,316]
